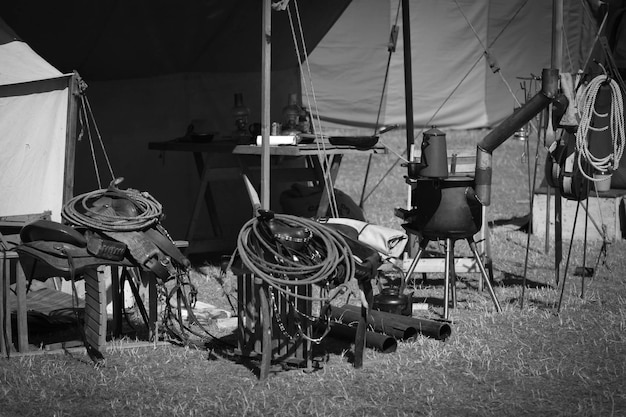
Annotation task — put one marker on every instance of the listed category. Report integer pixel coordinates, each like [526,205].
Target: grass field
[526,361]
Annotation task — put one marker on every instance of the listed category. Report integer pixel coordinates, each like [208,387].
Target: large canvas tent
[152,67]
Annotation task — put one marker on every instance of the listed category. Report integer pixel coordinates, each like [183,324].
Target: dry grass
[525,361]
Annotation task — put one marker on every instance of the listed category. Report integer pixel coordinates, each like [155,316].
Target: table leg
[361,331]
[95,309]
[331,166]
[22,318]
[5,310]
[204,193]
[117,299]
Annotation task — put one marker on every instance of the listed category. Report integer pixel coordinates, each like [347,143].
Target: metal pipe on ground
[395,325]
[381,342]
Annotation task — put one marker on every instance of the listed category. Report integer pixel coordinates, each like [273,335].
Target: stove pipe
[482,175]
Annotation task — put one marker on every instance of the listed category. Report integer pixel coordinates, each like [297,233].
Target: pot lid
[433,131]
[391,296]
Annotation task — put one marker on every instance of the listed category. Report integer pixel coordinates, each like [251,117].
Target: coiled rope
[80,211]
[586,103]
[325,257]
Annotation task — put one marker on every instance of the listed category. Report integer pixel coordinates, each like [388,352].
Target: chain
[279,322]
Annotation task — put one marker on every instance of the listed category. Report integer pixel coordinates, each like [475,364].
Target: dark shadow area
[520,222]
[514,280]
[206,258]
[226,348]
[533,302]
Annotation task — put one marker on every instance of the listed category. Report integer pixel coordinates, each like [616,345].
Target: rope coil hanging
[586,103]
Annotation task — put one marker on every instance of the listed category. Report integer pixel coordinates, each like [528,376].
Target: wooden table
[207,174]
[320,158]
[315,161]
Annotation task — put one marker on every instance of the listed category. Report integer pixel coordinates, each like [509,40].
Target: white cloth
[387,241]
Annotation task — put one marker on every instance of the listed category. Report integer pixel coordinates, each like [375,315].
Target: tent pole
[408,80]
[70,137]
[557,34]
[266,63]
[557,62]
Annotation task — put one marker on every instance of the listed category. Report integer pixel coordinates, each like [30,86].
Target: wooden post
[266,63]
[22,316]
[557,62]
[70,137]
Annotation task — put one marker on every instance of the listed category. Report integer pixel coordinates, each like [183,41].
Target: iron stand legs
[449,294]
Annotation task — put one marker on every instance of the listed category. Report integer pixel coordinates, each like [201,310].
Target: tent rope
[308,83]
[391,48]
[86,114]
[449,96]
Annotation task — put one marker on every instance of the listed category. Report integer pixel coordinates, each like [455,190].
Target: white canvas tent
[36,130]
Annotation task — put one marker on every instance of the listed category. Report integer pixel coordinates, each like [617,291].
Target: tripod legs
[449,294]
[472,245]
[418,255]
[449,267]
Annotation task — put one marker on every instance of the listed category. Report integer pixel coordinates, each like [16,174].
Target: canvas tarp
[33,126]
[453,84]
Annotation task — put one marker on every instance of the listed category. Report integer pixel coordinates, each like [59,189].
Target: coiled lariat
[586,103]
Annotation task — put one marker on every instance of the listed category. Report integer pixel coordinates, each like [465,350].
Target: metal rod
[558,234]
[582,281]
[446,281]
[557,34]
[266,75]
[531,205]
[484,275]
[569,252]
[408,76]
[409,272]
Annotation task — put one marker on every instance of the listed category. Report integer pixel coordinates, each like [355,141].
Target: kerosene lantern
[240,114]
[291,115]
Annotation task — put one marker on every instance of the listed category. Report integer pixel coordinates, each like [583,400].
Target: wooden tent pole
[557,34]
[70,137]
[408,77]
[557,62]
[266,63]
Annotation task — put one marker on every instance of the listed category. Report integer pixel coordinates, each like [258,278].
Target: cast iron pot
[445,208]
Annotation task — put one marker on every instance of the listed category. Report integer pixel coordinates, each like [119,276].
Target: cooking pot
[391,300]
[445,208]
[433,158]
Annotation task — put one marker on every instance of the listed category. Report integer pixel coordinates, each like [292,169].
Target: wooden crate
[605,210]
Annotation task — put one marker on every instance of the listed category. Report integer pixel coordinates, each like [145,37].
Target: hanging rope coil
[323,259]
[586,105]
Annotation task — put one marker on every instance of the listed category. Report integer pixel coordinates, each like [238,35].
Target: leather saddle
[52,249]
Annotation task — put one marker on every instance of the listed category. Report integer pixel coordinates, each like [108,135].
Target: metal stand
[450,275]
[268,325]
